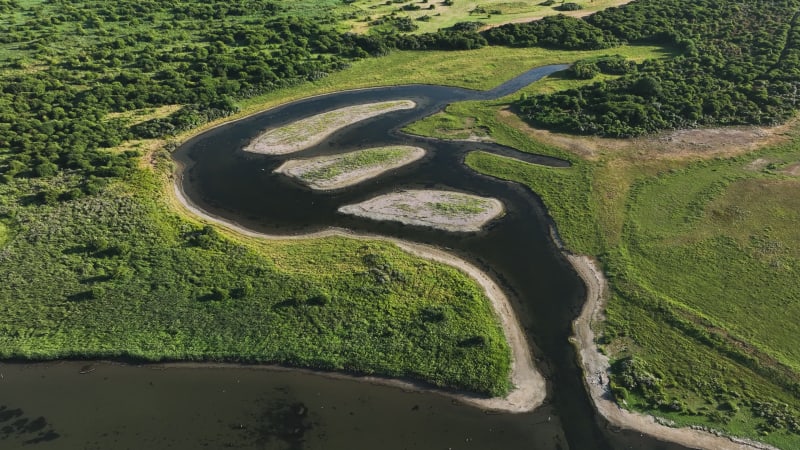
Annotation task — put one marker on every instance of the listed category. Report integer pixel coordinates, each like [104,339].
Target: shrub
[569,7]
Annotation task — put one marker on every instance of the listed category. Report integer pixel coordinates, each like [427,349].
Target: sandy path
[596,368]
[305,133]
[529,388]
[300,168]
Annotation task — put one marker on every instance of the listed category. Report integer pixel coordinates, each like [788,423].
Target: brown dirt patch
[673,145]
[757,165]
[792,169]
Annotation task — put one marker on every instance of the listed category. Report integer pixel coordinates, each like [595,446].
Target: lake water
[126,406]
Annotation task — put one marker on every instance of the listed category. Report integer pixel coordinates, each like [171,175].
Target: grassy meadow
[119,275]
[701,253]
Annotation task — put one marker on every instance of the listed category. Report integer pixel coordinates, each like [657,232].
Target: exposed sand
[444,210]
[596,369]
[529,387]
[339,171]
[312,130]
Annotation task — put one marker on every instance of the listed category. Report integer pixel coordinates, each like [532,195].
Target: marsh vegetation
[347,169]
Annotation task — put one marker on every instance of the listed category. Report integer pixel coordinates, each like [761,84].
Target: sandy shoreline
[443,210]
[529,387]
[596,368]
[301,168]
[310,131]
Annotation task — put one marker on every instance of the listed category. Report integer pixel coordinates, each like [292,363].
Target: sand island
[444,210]
[346,169]
[310,131]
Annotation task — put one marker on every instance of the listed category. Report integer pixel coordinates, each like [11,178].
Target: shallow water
[116,406]
[119,406]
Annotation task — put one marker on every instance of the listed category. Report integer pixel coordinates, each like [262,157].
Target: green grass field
[117,274]
[702,256]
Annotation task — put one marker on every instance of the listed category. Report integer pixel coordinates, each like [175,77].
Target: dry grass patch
[792,169]
[435,14]
[676,145]
[137,116]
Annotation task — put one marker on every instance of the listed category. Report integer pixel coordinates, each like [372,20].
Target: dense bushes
[739,67]
[559,32]
[197,54]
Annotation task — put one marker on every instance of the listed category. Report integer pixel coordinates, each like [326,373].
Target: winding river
[125,406]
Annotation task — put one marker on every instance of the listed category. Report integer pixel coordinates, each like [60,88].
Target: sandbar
[444,210]
[305,133]
[346,169]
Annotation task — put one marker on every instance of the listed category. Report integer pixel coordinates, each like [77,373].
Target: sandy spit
[596,371]
[418,207]
[298,168]
[529,388]
[310,131]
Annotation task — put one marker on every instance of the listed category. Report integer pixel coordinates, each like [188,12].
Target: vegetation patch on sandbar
[347,169]
[445,210]
[310,131]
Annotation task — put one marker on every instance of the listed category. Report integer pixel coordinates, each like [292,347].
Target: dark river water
[52,405]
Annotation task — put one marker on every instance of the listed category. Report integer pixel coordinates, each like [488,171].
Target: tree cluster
[739,66]
[557,32]
[95,58]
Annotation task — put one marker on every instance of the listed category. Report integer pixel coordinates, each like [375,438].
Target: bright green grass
[564,192]
[4,233]
[442,16]
[459,205]
[117,275]
[723,241]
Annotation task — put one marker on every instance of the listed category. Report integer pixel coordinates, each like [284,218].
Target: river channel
[115,406]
